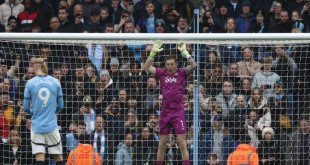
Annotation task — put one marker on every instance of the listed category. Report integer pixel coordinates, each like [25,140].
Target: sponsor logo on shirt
[171,80]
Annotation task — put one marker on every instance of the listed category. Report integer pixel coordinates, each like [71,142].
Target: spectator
[140,8]
[66,26]
[152,123]
[260,24]
[132,124]
[160,26]
[227,98]
[208,5]
[4,126]
[27,16]
[115,11]
[146,147]
[268,150]
[233,74]
[295,5]
[57,73]
[171,22]
[278,103]
[257,100]
[248,67]
[237,117]
[12,25]
[122,98]
[251,126]
[173,153]
[244,153]
[109,28]
[213,60]
[297,20]
[88,7]
[54,24]
[147,24]
[124,18]
[100,138]
[44,14]
[297,148]
[275,13]
[215,81]
[265,79]
[235,8]
[217,140]
[230,26]
[183,8]
[8,9]
[125,151]
[221,18]
[95,20]
[129,6]
[244,20]
[84,153]
[8,109]
[150,93]
[246,88]
[72,138]
[80,20]
[206,22]
[183,24]
[104,15]
[284,25]
[91,73]
[13,150]
[284,65]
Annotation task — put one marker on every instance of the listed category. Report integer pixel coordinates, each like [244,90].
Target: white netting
[279,74]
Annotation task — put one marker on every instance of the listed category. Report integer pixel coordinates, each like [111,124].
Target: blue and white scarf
[95,54]
[90,126]
[102,140]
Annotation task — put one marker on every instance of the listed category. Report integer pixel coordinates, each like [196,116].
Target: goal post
[207,81]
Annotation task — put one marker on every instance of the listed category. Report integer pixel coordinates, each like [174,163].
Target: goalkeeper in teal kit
[46,98]
[172,84]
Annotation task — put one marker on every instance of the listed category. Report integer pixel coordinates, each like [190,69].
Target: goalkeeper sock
[40,163]
[60,163]
[159,162]
[185,162]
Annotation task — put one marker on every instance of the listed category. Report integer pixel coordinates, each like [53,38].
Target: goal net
[244,90]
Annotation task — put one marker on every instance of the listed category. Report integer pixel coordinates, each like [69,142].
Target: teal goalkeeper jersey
[43,92]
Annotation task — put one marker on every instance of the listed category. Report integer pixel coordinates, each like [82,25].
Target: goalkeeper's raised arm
[190,61]
[156,49]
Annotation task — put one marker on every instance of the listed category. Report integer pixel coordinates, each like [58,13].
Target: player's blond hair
[41,63]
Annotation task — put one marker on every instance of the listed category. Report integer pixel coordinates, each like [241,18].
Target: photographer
[12,25]
[206,22]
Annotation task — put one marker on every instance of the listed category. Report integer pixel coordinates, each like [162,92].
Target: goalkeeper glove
[156,48]
[182,49]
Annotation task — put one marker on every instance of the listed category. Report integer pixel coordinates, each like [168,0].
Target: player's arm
[26,105]
[192,64]
[27,98]
[60,100]
[60,104]
[156,49]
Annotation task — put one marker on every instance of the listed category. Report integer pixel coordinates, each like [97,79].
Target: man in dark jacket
[45,12]
[66,26]
[284,25]
[221,18]
[88,6]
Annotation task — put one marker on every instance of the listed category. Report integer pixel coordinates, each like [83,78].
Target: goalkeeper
[172,84]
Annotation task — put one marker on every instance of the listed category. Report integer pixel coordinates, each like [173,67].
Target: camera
[124,16]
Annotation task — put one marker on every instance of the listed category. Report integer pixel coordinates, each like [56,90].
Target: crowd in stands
[255,92]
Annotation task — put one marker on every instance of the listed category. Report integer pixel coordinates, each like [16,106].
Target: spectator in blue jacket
[245,19]
[217,140]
